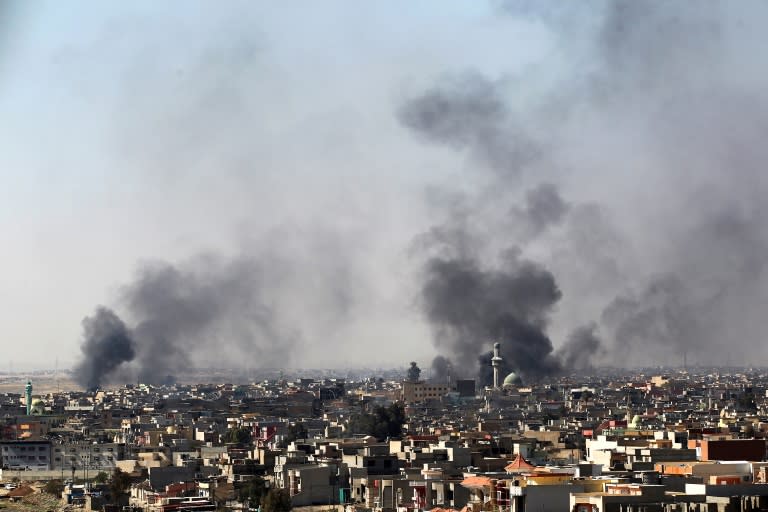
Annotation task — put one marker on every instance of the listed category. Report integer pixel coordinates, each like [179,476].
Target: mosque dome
[512,379]
[38,407]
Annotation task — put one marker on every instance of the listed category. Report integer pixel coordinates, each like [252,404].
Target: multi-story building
[421,391]
[26,455]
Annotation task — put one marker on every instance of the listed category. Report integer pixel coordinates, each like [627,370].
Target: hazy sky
[134,133]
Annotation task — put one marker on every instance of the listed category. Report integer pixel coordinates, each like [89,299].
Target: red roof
[518,465]
[476,481]
[423,438]
[604,425]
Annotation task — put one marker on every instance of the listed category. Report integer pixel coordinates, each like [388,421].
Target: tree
[101,477]
[747,403]
[414,372]
[55,487]
[241,435]
[276,500]
[252,491]
[296,431]
[383,422]
[119,484]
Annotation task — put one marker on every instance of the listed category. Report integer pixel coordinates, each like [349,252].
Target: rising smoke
[619,181]
[469,299]
[107,345]
[544,207]
[207,310]
[177,311]
[580,347]
[467,112]
[642,116]
[690,66]
[511,302]
[442,369]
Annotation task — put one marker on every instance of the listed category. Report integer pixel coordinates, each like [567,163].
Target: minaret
[496,363]
[28,393]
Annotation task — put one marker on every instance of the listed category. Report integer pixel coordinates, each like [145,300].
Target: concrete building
[421,391]
[80,456]
[26,454]
[316,484]
[376,459]
[721,448]
[629,497]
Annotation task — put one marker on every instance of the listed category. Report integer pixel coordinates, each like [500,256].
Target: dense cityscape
[657,439]
[384,256]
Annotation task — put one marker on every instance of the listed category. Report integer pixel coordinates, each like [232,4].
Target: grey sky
[144,132]
[135,131]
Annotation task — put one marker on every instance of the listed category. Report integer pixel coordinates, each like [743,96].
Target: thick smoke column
[205,305]
[247,310]
[442,369]
[657,130]
[107,344]
[579,348]
[469,305]
[204,308]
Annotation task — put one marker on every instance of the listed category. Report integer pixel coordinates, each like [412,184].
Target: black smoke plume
[205,308]
[471,306]
[642,151]
[656,128]
[485,370]
[467,112]
[469,303]
[442,369]
[107,344]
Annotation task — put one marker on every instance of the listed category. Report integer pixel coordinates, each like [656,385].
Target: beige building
[421,391]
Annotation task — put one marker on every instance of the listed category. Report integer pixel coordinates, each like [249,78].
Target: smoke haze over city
[304,185]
